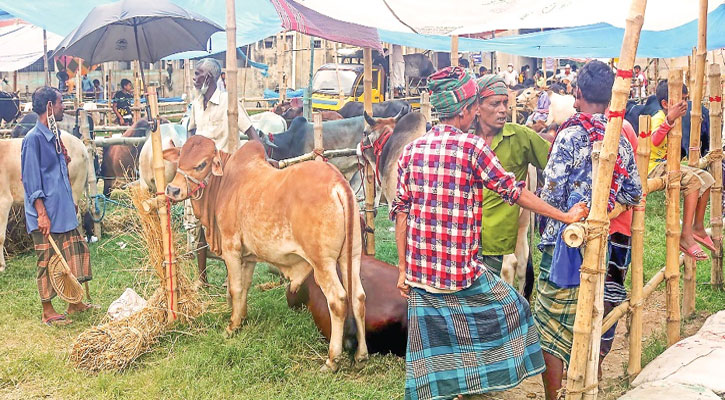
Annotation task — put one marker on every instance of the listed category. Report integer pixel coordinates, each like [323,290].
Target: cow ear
[172,154]
[216,165]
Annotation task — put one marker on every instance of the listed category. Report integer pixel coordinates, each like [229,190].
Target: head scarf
[452,89]
[490,85]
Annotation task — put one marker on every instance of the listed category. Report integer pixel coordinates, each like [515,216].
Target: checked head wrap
[452,89]
[490,85]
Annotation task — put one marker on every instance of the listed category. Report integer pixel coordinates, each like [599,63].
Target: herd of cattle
[301,219]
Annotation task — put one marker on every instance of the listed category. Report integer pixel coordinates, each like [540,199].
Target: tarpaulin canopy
[22,44]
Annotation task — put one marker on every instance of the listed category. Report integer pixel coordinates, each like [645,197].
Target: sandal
[58,320]
[695,251]
[705,241]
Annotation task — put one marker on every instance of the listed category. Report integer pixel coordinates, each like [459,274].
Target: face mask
[511,69]
[204,87]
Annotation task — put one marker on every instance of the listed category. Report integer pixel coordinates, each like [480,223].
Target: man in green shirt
[516,146]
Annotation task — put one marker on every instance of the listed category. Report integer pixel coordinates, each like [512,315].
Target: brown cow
[386,312]
[121,161]
[300,219]
[294,112]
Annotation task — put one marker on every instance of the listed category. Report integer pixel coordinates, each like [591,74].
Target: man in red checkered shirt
[456,306]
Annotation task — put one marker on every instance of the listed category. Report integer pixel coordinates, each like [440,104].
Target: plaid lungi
[493,263]
[555,311]
[620,255]
[74,250]
[476,340]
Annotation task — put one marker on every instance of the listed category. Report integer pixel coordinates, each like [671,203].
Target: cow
[268,122]
[560,109]
[172,135]
[9,107]
[418,67]
[386,109]
[302,219]
[11,187]
[383,144]
[299,140]
[283,106]
[294,112]
[121,161]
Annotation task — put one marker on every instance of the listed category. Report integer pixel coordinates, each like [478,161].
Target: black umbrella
[143,30]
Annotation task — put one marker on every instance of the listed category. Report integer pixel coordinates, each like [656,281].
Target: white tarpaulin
[473,16]
[22,44]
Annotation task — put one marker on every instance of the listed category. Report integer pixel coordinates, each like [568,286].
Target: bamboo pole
[232,90]
[46,69]
[187,79]
[425,106]
[454,51]
[92,180]
[672,271]
[170,282]
[136,91]
[313,155]
[597,220]
[635,324]
[716,272]
[318,147]
[369,173]
[592,375]
[79,91]
[281,47]
[15,81]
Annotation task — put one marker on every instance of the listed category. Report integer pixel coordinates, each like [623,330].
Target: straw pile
[118,218]
[116,344]
[17,239]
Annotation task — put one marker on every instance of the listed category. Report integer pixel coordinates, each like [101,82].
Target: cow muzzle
[173,192]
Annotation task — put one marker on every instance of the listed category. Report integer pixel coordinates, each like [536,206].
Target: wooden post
[188,77]
[635,328]
[92,180]
[319,146]
[79,90]
[454,51]
[233,99]
[425,106]
[598,221]
[672,268]
[546,78]
[281,47]
[170,283]
[369,173]
[46,69]
[657,74]
[15,81]
[716,272]
[512,105]
[136,91]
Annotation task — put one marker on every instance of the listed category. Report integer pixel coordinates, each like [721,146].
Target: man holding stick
[568,181]
[49,206]
[468,331]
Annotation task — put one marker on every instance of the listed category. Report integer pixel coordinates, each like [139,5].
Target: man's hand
[402,286]
[44,224]
[577,213]
[676,111]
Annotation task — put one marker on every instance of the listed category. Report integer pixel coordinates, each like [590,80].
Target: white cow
[11,187]
[514,265]
[172,135]
[561,108]
[268,122]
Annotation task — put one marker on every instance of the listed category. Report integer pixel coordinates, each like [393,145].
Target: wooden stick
[79,91]
[281,44]
[311,156]
[169,267]
[46,70]
[369,173]
[91,181]
[319,146]
[232,99]
[635,326]
[716,272]
[596,246]
[454,51]
[425,106]
[672,271]
[136,91]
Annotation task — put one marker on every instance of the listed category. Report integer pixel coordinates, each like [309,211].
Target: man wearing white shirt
[510,76]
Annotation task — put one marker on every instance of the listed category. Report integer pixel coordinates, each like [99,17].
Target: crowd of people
[459,192]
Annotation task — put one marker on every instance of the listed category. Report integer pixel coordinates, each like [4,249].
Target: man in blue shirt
[49,206]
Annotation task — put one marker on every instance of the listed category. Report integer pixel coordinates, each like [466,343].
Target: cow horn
[370,120]
[266,141]
[400,114]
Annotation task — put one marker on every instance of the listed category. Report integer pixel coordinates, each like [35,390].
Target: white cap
[567,66]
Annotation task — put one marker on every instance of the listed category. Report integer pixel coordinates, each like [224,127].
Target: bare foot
[687,241]
[80,307]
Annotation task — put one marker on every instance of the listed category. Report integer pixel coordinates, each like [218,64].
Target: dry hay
[120,219]
[114,345]
[17,239]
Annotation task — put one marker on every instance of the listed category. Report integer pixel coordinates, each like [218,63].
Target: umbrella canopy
[143,30]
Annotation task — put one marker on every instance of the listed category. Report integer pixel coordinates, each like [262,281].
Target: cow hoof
[2,268]
[229,332]
[330,367]
[362,358]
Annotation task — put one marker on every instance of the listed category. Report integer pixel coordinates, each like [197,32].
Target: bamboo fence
[716,272]
[597,220]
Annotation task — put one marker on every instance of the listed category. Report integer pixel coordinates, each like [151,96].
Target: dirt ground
[614,372]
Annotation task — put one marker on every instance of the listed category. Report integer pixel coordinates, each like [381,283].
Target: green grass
[276,355]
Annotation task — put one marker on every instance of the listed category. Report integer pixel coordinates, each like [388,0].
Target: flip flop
[58,320]
[695,251]
[705,241]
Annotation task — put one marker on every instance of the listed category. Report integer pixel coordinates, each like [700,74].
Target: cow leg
[201,255]
[5,204]
[240,278]
[326,278]
[357,296]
